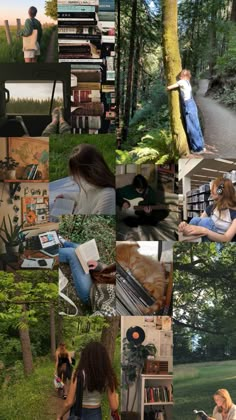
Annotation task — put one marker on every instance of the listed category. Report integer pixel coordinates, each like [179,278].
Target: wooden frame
[28,150]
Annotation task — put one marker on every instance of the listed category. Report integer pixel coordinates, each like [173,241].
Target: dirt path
[50,56]
[219,125]
[53,406]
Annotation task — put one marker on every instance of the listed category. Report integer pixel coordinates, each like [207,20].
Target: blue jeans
[88,414]
[82,281]
[204,222]
[193,126]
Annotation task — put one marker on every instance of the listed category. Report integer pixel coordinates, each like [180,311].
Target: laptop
[49,242]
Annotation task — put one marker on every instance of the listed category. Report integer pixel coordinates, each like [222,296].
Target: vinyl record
[135,335]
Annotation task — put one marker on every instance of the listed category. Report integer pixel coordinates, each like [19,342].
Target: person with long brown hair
[90,171]
[93,376]
[190,111]
[63,366]
[218,222]
[225,409]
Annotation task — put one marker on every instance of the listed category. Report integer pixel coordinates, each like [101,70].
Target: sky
[13,9]
[39,90]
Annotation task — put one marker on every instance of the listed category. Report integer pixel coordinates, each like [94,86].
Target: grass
[194,385]
[62,146]
[25,398]
[14,53]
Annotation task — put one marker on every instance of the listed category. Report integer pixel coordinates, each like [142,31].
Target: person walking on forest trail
[63,368]
[93,376]
[190,112]
[30,55]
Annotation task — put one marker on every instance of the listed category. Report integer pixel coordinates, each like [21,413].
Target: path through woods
[219,124]
[53,406]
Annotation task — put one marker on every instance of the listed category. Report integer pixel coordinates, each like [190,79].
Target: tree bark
[233,11]
[129,82]
[118,87]
[172,65]
[109,334]
[26,344]
[52,331]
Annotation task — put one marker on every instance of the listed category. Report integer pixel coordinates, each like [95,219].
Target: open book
[62,206]
[86,252]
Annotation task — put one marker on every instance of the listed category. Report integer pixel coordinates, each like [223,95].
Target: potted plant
[9,165]
[13,237]
[134,356]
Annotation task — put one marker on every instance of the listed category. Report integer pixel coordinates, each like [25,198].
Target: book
[82,122]
[87,75]
[86,252]
[80,96]
[89,109]
[108,39]
[76,15]
[77,36]
[107,5]
[62,206]
[89,85]
[82,60]
[79,2]
[65,23]
[75,8]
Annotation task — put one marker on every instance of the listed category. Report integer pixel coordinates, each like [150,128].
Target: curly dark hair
[96,365]
[88,163]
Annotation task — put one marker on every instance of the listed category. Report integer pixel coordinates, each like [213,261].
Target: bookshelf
[197,200]
[157,394]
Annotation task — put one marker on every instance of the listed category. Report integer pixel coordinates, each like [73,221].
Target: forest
[30,331]
[204,302]
[161,38]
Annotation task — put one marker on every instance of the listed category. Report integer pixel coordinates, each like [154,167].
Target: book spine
[107,39]
[74,8]
[79,36]
[79,2]
[107,5]
[66,23]
[35,172]
[31,171]
[74,15]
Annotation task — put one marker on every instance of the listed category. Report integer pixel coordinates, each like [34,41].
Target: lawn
[61,148]
[194,385]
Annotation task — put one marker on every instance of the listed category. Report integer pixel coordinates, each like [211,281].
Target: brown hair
[88,163]
[226,200]
[185,73]
[32,11]
[223,393]
[62,351]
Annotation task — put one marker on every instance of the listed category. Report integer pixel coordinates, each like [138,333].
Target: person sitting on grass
[225,409]
[32,23]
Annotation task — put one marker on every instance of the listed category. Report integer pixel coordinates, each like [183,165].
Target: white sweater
[93,200]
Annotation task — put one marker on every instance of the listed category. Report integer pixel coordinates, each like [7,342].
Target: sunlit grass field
[195,384]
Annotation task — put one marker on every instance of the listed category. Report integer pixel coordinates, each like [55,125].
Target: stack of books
[86,37]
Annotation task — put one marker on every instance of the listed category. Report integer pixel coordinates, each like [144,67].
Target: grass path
[194,385]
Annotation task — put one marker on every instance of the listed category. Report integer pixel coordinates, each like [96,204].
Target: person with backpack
[30,55]
[93,377]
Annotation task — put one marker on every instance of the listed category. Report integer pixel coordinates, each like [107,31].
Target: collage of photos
[118,210]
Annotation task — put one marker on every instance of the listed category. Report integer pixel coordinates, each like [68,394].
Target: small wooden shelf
[155,380]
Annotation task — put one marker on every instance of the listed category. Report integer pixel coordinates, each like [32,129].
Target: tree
[51,9]
[172,66]
[109,334]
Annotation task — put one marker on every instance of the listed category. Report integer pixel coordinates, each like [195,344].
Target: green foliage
[62,146]
[13,235]
[80,229]
[31,106]
[155,147]
[51,9]
[226,64]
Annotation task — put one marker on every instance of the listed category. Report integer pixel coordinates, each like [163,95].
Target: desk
[13,262]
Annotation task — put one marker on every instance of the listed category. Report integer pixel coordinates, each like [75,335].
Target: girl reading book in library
[225,409]
[190,112]
[218,222]
[93,377]
[96,181]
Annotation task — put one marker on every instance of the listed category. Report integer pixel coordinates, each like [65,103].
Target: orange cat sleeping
[150,273]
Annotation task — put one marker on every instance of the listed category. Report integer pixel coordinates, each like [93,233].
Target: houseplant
[134,356]
[13,236]
[9,165]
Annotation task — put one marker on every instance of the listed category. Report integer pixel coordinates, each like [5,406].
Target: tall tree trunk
[233,11]
[172,64]
[52,331]
[136,77]
[60,329]
[118,87]
[109,334]
[130,69]
[25,343]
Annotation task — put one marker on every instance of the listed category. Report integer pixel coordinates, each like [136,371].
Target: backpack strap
[79,394]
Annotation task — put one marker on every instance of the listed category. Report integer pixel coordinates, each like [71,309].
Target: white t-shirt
[231,414]
[185,89]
